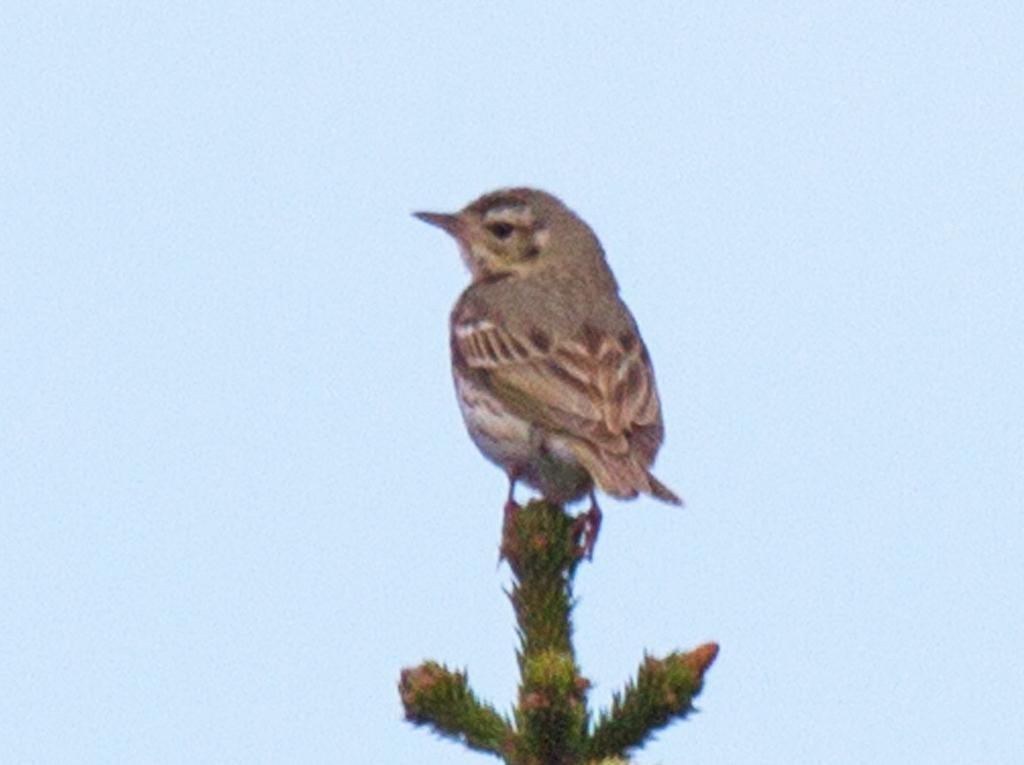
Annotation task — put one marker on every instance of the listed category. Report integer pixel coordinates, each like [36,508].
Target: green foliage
[664,689]
[552,713]
[434,695]
[543,546]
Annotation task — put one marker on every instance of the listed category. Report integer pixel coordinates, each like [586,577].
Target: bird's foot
[507,525]
[585,529]
[511,508]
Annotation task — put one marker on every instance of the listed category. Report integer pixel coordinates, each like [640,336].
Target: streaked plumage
[553,379]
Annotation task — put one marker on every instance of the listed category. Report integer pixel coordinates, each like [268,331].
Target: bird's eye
[501,230]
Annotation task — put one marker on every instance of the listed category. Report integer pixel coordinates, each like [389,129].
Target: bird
[552,377]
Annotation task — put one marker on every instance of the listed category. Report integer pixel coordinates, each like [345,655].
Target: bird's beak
[450,223]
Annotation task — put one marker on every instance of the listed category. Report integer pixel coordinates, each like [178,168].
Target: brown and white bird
[552,376]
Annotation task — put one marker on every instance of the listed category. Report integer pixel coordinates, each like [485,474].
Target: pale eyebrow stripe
[511,213]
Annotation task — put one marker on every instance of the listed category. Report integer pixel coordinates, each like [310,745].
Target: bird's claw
[585,529]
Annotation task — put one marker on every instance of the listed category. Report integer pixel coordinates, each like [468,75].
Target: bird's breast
[502,436]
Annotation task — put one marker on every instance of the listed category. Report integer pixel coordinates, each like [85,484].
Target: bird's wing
[597,387]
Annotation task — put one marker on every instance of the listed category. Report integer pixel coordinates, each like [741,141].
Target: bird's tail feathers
[622,475]
[661,491]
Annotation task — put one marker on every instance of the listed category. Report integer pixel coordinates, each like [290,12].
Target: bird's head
[518,232]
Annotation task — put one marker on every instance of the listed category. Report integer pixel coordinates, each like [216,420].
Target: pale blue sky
[236,497]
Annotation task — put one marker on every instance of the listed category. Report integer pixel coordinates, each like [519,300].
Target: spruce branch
[543,546]
[664,689]
[434,695]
